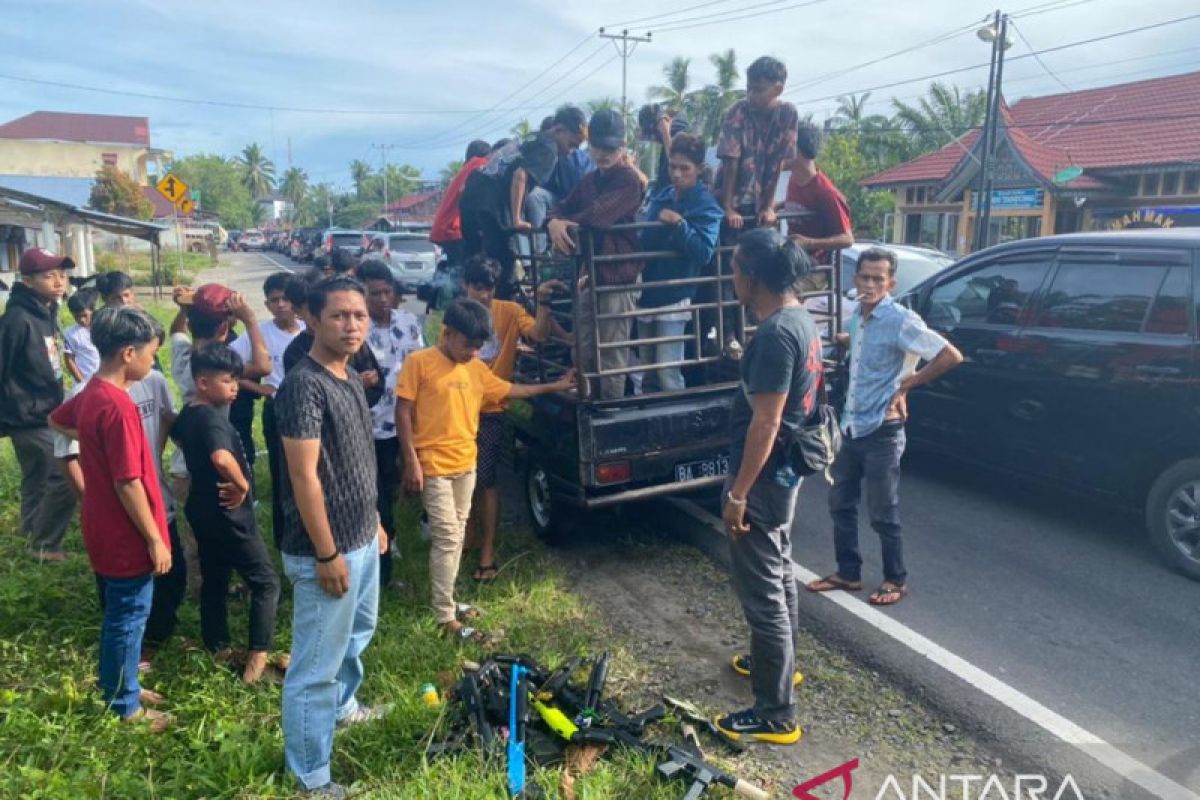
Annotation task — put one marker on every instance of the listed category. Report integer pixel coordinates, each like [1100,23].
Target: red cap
[212,299]
[39,260]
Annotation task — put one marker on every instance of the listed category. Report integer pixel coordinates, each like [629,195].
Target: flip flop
[896,592]
[834,582]
[481,573]
[464,612]
[465,633]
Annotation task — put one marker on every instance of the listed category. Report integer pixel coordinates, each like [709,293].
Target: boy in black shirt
[220,508]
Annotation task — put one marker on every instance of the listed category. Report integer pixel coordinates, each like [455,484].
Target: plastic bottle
[429,694]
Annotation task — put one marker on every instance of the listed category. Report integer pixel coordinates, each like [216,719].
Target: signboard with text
[1016,199]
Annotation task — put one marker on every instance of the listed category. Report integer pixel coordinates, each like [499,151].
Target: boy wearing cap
[610,195]
[31,387]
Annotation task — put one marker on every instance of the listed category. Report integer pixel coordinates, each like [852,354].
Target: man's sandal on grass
[833,583]
[485,573]
[465,634]
[155,721]
[888,594]
[464,612]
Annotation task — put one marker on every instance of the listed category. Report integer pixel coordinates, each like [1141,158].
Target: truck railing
[715,317]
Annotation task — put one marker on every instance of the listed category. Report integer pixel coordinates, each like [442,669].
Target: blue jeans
[875,458]
[329,635]
[126,609]
[670,379]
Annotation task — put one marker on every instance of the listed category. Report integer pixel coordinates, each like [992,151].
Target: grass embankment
[58,741]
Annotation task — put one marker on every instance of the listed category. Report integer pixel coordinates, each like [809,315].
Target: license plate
[708,468]
[414,265]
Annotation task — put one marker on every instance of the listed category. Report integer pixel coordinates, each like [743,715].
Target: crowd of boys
[354,402]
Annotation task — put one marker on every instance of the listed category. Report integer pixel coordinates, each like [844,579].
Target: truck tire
[1173,516]
[551,518]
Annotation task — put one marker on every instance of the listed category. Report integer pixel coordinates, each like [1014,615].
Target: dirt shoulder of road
[674,614]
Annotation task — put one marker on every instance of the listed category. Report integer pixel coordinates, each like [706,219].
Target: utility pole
[625,49]
[383,160]
[997,34]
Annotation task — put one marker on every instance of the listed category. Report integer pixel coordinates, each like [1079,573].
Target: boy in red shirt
[829,228]
[124,516]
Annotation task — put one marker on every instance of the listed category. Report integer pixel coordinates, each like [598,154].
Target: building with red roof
[1107,158]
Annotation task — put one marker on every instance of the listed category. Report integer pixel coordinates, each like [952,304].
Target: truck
[578,453]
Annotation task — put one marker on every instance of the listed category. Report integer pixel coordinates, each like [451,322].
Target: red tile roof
[1144,123]
[413,200]
[101,128]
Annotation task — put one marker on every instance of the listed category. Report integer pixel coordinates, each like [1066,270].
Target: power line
[672,22]
[1044,8]
[1038,58]
[1056,124]
[957,70]
[669,13]
[463,124]
[743,16]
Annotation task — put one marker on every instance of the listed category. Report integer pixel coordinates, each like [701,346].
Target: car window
[911,270]
[1171,308]
[403,245]
[995,294]
[1100,297]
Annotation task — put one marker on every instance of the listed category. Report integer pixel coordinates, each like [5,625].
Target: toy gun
[517,704]
[682,763]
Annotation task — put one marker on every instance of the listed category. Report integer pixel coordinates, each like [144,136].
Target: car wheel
[1173,516]
[551,518]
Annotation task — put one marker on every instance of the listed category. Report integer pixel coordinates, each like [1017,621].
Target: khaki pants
[611,387]
[447,500]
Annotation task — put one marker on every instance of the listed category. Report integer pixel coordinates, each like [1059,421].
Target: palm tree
[712,103]
[944,114]
[294,187]
[851,111]
[522,130]
[674,94]
[360,173]
[258,173]
[449,171]
[603,104]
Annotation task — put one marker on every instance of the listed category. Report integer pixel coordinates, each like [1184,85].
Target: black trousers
[482,233]
[169,591]
[223,550]
[387,453]
[278,470]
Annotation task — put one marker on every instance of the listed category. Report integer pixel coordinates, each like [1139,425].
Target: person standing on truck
[691,223]
[446,232]
[886,341]
[758,137]
[658,123]
[828,229]
[611,195]
[780,373]
[510,322]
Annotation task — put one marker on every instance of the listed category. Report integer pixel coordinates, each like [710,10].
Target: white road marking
[1059,726]
[279,264]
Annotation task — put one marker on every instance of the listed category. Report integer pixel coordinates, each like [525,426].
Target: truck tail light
[614,472]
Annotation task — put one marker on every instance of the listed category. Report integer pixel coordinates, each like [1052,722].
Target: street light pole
[997,34]
[625,49]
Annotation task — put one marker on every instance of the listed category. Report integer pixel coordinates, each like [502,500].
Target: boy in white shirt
[81,355]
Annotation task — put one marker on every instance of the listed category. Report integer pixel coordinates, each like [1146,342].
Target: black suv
[1081,368]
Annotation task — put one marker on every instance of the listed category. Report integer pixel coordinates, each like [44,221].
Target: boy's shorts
[490,441]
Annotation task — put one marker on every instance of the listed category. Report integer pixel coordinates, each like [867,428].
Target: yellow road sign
[172,188]
[186,206]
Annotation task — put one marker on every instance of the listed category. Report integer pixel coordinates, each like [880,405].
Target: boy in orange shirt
[439,396]
[510,322]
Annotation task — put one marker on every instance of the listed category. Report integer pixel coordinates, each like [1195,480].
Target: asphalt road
[1054,594]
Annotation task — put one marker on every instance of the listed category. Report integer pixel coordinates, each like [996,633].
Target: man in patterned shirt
[757,138]
[393,335]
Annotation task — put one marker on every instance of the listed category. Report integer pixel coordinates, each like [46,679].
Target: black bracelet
[327,559]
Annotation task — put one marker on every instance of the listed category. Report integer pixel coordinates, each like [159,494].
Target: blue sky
[377,58]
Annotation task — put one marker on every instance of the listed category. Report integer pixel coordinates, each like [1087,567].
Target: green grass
[177,268]
[58,741]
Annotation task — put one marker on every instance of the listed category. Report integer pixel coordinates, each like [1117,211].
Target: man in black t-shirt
[332,536]
[220,508]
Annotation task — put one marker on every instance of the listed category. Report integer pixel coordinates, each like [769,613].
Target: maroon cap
[212,299]
[39,260]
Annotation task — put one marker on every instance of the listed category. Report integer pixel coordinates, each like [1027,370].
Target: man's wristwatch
[328,558]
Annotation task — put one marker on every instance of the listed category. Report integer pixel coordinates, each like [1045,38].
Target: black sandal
[481,573]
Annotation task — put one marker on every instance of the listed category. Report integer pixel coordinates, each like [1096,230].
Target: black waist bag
[811,447]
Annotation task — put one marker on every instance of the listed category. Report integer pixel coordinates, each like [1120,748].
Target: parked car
[411,257]
[354,241]
[1081,370]
[252,240]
